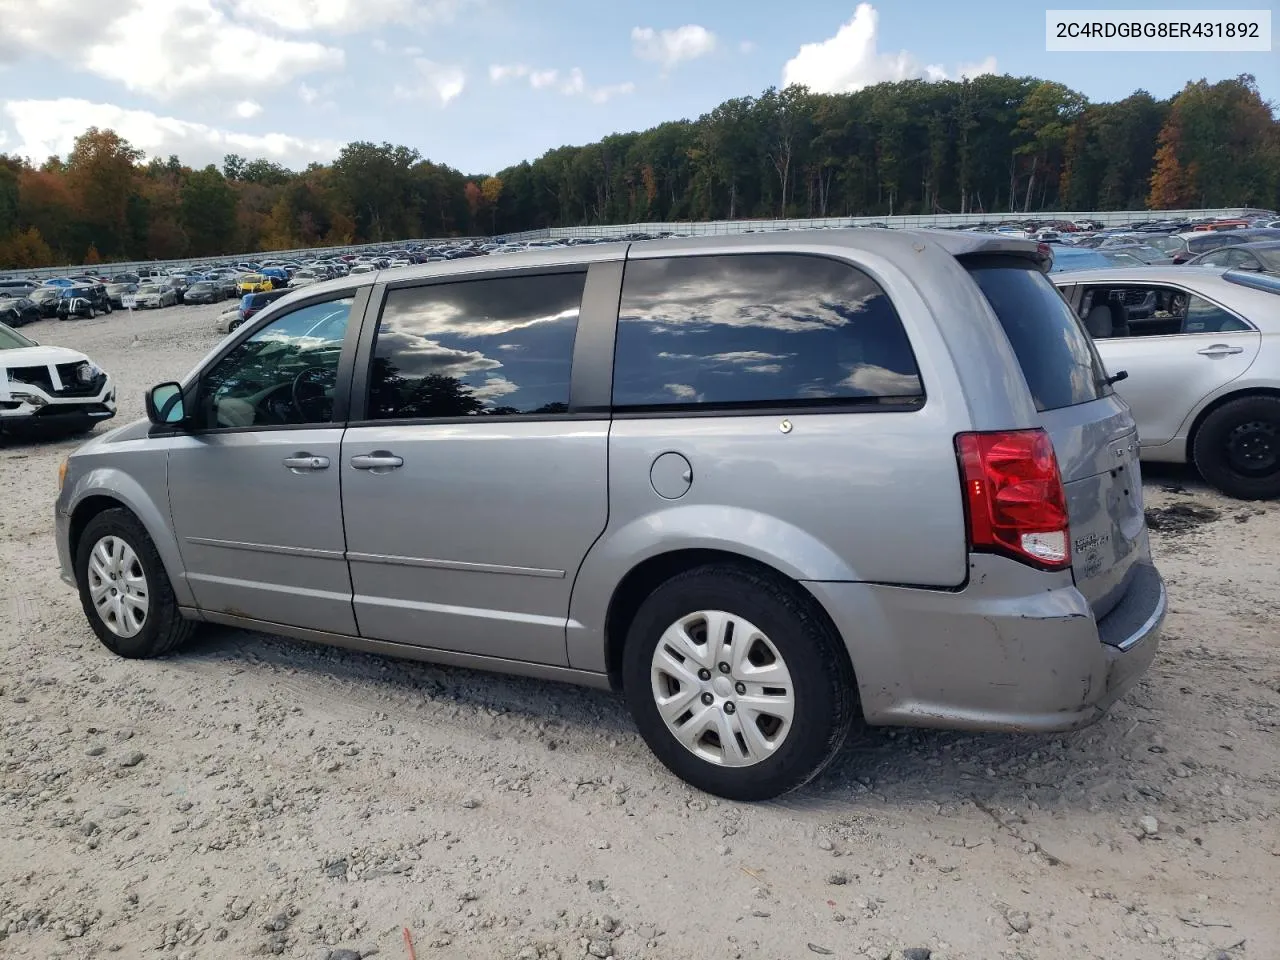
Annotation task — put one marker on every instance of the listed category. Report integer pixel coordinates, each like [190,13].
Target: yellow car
[254,283]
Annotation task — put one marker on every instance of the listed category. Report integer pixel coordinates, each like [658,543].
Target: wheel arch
[649,574]
[104,489]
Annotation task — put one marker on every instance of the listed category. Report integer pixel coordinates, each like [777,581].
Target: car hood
[35,356]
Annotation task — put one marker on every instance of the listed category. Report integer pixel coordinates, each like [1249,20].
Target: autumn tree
[208,211]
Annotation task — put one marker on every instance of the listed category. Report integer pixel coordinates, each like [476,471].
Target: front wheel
[1237,448]
[737,683]
[124,590]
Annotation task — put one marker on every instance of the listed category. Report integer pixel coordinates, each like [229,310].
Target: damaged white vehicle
[50,388]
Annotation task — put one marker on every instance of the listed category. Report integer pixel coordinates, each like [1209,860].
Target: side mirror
[165,405]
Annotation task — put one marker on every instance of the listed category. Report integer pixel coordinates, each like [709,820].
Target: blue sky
[480,84]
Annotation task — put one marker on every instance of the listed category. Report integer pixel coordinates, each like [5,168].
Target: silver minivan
[763,485]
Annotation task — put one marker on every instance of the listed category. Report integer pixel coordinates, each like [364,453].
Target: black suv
[81,300]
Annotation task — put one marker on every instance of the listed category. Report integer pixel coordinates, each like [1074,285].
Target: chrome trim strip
[524,668]
[254,586]
[449,609]
[454,565]
[267,548]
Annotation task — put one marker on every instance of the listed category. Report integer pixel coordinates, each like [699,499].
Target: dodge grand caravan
[762,485]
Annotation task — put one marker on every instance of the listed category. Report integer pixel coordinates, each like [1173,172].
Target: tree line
[990,147]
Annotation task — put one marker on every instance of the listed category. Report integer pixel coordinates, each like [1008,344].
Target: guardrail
[725,227]
[698,228]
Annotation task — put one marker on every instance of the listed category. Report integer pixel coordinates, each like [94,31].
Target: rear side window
[1057,357]
[501,346]
[758,330]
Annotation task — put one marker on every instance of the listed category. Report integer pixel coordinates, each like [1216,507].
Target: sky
[483,84]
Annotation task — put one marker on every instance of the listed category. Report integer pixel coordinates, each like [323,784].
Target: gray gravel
[291,800]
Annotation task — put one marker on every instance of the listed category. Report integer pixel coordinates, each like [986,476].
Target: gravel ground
[255,795]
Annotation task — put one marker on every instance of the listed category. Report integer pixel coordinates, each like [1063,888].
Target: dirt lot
[254,796]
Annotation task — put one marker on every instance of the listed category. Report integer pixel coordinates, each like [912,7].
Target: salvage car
[1199,353]
[204,291]
[253,283]
[121,286]
[82,300]
[18,311]
[156,295]
[1262,256]
[50,388]
[760,484]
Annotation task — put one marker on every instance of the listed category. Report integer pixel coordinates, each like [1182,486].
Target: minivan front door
[470,493]
[253,488]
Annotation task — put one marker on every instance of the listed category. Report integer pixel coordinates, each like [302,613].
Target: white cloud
[500,72]
[437,81]
[682,390]
[247,109]
[412,51]
[571,84]
[379,45]
[850,60]
[543,78]
[747,46]
[605,94]
[163,48]
[341,16]
[670,47]
[49,127]
[307,94]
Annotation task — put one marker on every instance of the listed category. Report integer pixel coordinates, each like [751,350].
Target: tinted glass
[498,346]
[758,330]
[1056,355]
[285,373]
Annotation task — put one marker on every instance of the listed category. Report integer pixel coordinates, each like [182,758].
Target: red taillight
[1014,497]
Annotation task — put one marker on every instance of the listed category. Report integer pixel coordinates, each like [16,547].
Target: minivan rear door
[472,485]
[1094,434]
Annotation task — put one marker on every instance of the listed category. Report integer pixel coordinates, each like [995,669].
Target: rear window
[759,330]
[1057,357]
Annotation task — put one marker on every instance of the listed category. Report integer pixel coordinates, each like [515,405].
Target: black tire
[1237,448]
[823,682]
[164,629]
[234,325]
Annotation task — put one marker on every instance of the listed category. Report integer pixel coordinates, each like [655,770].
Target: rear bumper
[1026,655]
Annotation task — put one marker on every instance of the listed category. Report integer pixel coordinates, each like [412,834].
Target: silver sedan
[1199,353]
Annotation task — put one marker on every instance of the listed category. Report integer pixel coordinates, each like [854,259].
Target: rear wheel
[736,683]
[1237,448]
[124,590]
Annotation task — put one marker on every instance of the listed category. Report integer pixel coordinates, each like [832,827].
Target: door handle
[1219,350]
[304,461]
[378,460]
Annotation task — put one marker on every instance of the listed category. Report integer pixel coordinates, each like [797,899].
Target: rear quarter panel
[848,496]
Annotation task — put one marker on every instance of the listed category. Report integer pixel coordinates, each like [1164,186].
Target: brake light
[1014,498]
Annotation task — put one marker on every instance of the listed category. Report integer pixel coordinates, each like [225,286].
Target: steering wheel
[308,392]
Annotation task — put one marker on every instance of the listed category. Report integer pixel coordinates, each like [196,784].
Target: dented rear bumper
[1014,650]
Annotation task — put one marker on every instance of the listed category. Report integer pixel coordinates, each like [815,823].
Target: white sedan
[1199,353]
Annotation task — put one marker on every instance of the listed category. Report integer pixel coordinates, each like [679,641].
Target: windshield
[11,339]
[1119,259]
[1169,245]
[1270,259]
[149,288]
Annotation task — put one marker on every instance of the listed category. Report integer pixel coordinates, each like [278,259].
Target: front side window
[758,330]
[501,346]
[284,374]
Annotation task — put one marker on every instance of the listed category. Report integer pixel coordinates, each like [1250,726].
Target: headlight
[62,474]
